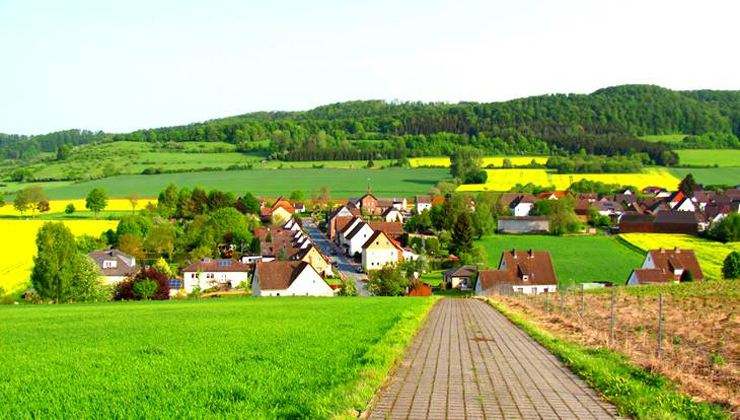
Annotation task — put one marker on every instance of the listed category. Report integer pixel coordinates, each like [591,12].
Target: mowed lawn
[18,247]
[710,254]
[710,176]
[267,182]
[577,259]
[709,157]
[248,357]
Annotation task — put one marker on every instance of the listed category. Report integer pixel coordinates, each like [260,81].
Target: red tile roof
[278,274]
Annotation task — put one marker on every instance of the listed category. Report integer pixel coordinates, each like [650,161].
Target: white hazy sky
[123,65]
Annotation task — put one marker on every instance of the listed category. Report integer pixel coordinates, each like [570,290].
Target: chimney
[513,253]
[678,250]
[531,253]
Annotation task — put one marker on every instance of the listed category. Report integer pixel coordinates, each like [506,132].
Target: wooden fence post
[613,317]
[660,325]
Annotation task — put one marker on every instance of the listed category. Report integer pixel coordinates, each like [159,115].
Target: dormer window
[525,278]
[110,263]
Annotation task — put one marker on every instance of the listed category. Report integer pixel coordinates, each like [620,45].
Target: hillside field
[19,246]
[497,161]
[342,183]
[709,253]
[505,179]
[576,259]
[261,358]
[709,176]
[709,157]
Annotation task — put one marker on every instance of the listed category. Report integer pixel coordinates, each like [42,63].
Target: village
[351,247]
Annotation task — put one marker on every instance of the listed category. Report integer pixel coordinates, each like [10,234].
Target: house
[394,230]
[299,207]
[380,250]
[392,214]
[554,195]
[667,266]
[318,261]
[209,273]
[348,227]
[423,202]
[528,272]
[608,208]
[114,265]
[675,198]
[522,205]
[524,224]
[355,239]
[280,212]
[686,204]
[461,277]
[369,204]
[672,221]
[288,278]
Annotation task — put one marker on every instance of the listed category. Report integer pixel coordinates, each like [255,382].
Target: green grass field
[665,138]
[576,259]
[709,157]
[258,358]
[709,176]
[266,182]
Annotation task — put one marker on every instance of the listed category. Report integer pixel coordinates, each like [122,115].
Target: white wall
[206,280]
[375,259]
[308,283]
[355,244]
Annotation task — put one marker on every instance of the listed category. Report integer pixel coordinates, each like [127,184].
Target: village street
[345,265]
[469,361]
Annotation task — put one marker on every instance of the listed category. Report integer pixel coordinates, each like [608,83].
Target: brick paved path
[469,361]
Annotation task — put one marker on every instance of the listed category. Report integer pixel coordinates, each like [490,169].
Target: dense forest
[605,122]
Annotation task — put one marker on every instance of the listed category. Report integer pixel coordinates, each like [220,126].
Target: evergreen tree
[462,234]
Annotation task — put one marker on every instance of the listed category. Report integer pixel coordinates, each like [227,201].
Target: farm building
[524,224]
[667,266]
[674,221]
[461,277]
[288,278]
[209,273]
[114,265]
[528,272]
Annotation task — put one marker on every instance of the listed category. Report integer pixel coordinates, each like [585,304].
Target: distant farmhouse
[667,266]
[114,265]
[288,278]
[528,272]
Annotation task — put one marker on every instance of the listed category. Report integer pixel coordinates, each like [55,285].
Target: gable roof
[536,265]
[392,229]
[279,275]
[125,264]
[376,235]
[217,266]
[348,227]
[423,199]
[677,259]
[462,271]
[356,230]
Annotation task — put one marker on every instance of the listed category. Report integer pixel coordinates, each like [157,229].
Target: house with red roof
[528,272]
[667,266]
[288,278]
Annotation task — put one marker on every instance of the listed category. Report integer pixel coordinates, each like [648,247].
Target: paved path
[469,361]
[344,263]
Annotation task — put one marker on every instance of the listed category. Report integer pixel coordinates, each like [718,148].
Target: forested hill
[607,121]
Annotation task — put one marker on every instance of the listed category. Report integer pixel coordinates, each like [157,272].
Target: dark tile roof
[124,266]
[675,217]
[278,274]
[218,266]
[355,231]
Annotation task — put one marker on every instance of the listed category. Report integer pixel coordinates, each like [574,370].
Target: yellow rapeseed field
[505,179]
[709,253]
[58,206]
[497,161]
[18,246]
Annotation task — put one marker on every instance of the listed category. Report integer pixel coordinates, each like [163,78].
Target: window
[110,263]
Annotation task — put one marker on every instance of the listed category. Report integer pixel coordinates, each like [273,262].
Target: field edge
[382,358]
[632,389]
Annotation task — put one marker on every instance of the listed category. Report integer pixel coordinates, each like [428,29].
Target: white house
[114,265]
[378,251]
[685,205]
[208,273]
[423,202]
[288,278]
[355,239]
[521,206]
[349,227]
[392,214]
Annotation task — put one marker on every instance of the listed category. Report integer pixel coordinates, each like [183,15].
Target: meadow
[19,246]
[240,357]
[497,161]
[709,157]
[505,179]
[711,176]
[665,138]
[710,254]
[576,259]
[342,183]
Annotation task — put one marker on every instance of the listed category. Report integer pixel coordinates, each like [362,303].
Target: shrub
[731,266]
[388,281]
[125,290]
[70,208]
[145,289]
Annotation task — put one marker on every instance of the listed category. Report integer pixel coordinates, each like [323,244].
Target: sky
[118,66]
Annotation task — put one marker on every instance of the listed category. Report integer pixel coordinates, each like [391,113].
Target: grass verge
[634,391]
